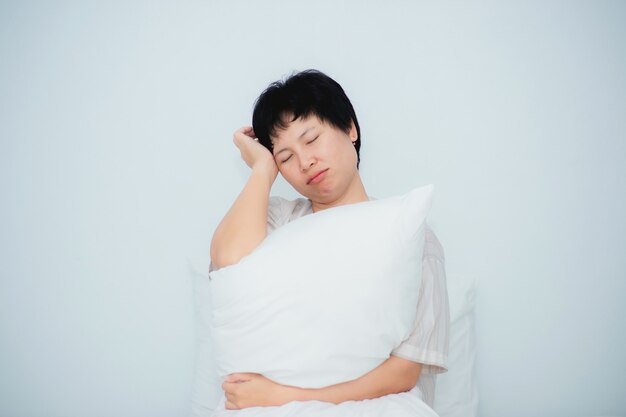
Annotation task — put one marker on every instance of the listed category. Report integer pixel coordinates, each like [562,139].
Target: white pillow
[456,393]
[325,298]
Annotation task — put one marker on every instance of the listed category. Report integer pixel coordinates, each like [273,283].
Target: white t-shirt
[429,341]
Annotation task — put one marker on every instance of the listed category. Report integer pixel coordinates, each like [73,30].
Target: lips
[317,176]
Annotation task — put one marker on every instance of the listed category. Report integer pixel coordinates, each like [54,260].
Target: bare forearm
[395,375]
[245,225]
[338,393]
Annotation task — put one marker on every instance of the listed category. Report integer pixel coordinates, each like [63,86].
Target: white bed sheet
[405,404]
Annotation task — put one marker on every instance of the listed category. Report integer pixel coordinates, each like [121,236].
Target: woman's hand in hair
[244,226]
[255,155]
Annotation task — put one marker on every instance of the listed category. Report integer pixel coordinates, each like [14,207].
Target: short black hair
[301,95]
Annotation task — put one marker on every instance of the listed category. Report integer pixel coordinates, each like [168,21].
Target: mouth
[317,177]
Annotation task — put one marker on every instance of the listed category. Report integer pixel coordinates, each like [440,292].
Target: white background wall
[117,163]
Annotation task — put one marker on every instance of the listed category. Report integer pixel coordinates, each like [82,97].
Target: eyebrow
[299,137]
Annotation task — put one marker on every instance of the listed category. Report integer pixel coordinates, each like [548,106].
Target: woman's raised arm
[244,226]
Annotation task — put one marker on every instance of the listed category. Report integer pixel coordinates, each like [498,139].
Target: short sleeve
[282,211]
[428,343]
[278,212]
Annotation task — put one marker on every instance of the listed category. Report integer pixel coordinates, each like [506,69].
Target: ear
[353,133]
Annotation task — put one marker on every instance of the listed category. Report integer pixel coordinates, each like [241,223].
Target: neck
[356,194]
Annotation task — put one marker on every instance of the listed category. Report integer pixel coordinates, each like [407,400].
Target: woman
[306,129]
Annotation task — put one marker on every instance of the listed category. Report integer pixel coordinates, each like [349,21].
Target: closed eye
[286,159]
[311,141]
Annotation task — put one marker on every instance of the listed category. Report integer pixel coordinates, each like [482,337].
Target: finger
[231,406]
[246,130]
[232,377]
[243,129]
[229,387]
[231,399]
[235,377]
[242,137]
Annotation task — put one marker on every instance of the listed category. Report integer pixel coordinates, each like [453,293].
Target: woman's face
[317,159]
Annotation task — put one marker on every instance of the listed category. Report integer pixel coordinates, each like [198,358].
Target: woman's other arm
[244,226]
[393,376]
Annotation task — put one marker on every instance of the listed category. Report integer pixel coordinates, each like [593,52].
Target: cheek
[348,154]
[287,172]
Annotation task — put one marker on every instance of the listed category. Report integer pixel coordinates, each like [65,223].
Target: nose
[306,162]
